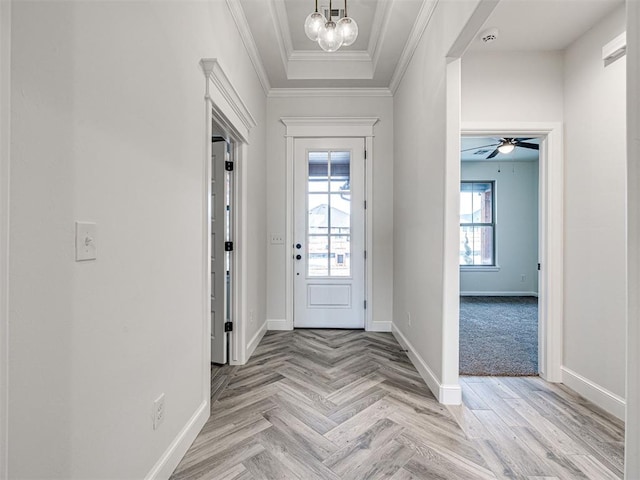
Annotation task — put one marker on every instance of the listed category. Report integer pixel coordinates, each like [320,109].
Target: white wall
[382,164]
[632,424]
[595,212]
[516,230]
[419,176]
[574,87]
[512,86]
[108,126]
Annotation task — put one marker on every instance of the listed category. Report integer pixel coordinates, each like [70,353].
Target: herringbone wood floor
[340,404]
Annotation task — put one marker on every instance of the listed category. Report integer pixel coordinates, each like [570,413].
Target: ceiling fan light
[349,29]
[312,25]
[506,147]
[330,37]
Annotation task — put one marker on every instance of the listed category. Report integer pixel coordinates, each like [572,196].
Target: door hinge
[228,246]
[365,254]
[365,204]
[538,267]
[365,154]
[228,166]
[228,326]
[365,304]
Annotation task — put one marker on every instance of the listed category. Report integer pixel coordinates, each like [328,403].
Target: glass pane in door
[328,213]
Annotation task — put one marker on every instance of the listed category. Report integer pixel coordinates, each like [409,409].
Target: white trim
[379,29]
[279,324]
[368,233]
[240,227]
[479,268]
[551,243]
[226,96]
[329,127]
[5,151]
[603,398]
[279,15]
[313,127]
[446,394]
[632,423]
[225,107]
[422,21]
[450,340]
[237,13]
[171,457]
[380,327]
[255,340]
[498,294]
[329,92]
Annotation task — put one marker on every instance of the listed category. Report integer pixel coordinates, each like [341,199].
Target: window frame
[494,265]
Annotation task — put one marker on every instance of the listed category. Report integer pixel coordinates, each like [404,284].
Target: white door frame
[328,127]
[224,106]
[551,233]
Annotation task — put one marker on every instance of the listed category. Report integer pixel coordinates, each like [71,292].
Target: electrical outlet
[523,277]
[409,318]
[251,317]
[158,412]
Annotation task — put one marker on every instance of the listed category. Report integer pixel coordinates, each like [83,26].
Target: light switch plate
[86,241]
[277,239]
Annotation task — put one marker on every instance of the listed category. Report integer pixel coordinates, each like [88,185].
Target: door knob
[298,246]
[298,257]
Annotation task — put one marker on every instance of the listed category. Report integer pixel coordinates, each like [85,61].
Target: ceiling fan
[506,145]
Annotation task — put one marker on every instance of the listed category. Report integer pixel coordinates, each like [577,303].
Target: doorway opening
[498,255]
[221,243]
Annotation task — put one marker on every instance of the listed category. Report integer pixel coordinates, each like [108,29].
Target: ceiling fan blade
[532,146]
[478,148]
[493,154]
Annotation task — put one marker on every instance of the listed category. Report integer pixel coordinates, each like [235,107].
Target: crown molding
[329,92]
[237,13]
[340,56]
[280,19]
[422,21]
[214,72]
[379,31]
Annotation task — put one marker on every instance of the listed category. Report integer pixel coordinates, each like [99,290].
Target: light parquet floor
[342,404]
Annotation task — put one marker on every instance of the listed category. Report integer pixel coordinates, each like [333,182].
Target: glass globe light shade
[506,147]
[312,25]
[330,37]
[349,29]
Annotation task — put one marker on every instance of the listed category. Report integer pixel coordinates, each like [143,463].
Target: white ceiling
[542,25]
[389,31]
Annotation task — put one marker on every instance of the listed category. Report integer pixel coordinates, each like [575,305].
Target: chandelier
[329,34]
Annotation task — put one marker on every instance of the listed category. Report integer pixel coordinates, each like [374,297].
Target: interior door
[220,268]
[328,249]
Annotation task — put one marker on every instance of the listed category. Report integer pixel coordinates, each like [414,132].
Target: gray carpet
[499,336]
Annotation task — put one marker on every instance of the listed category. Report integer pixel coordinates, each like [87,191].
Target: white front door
[328,249]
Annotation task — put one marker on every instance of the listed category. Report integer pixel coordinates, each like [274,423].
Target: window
[477,224]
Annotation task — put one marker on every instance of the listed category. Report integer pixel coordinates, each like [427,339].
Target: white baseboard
[253,343]
[593,392]
[446,394]
[279,324]
[163,469]
[380,327]
[498,294]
